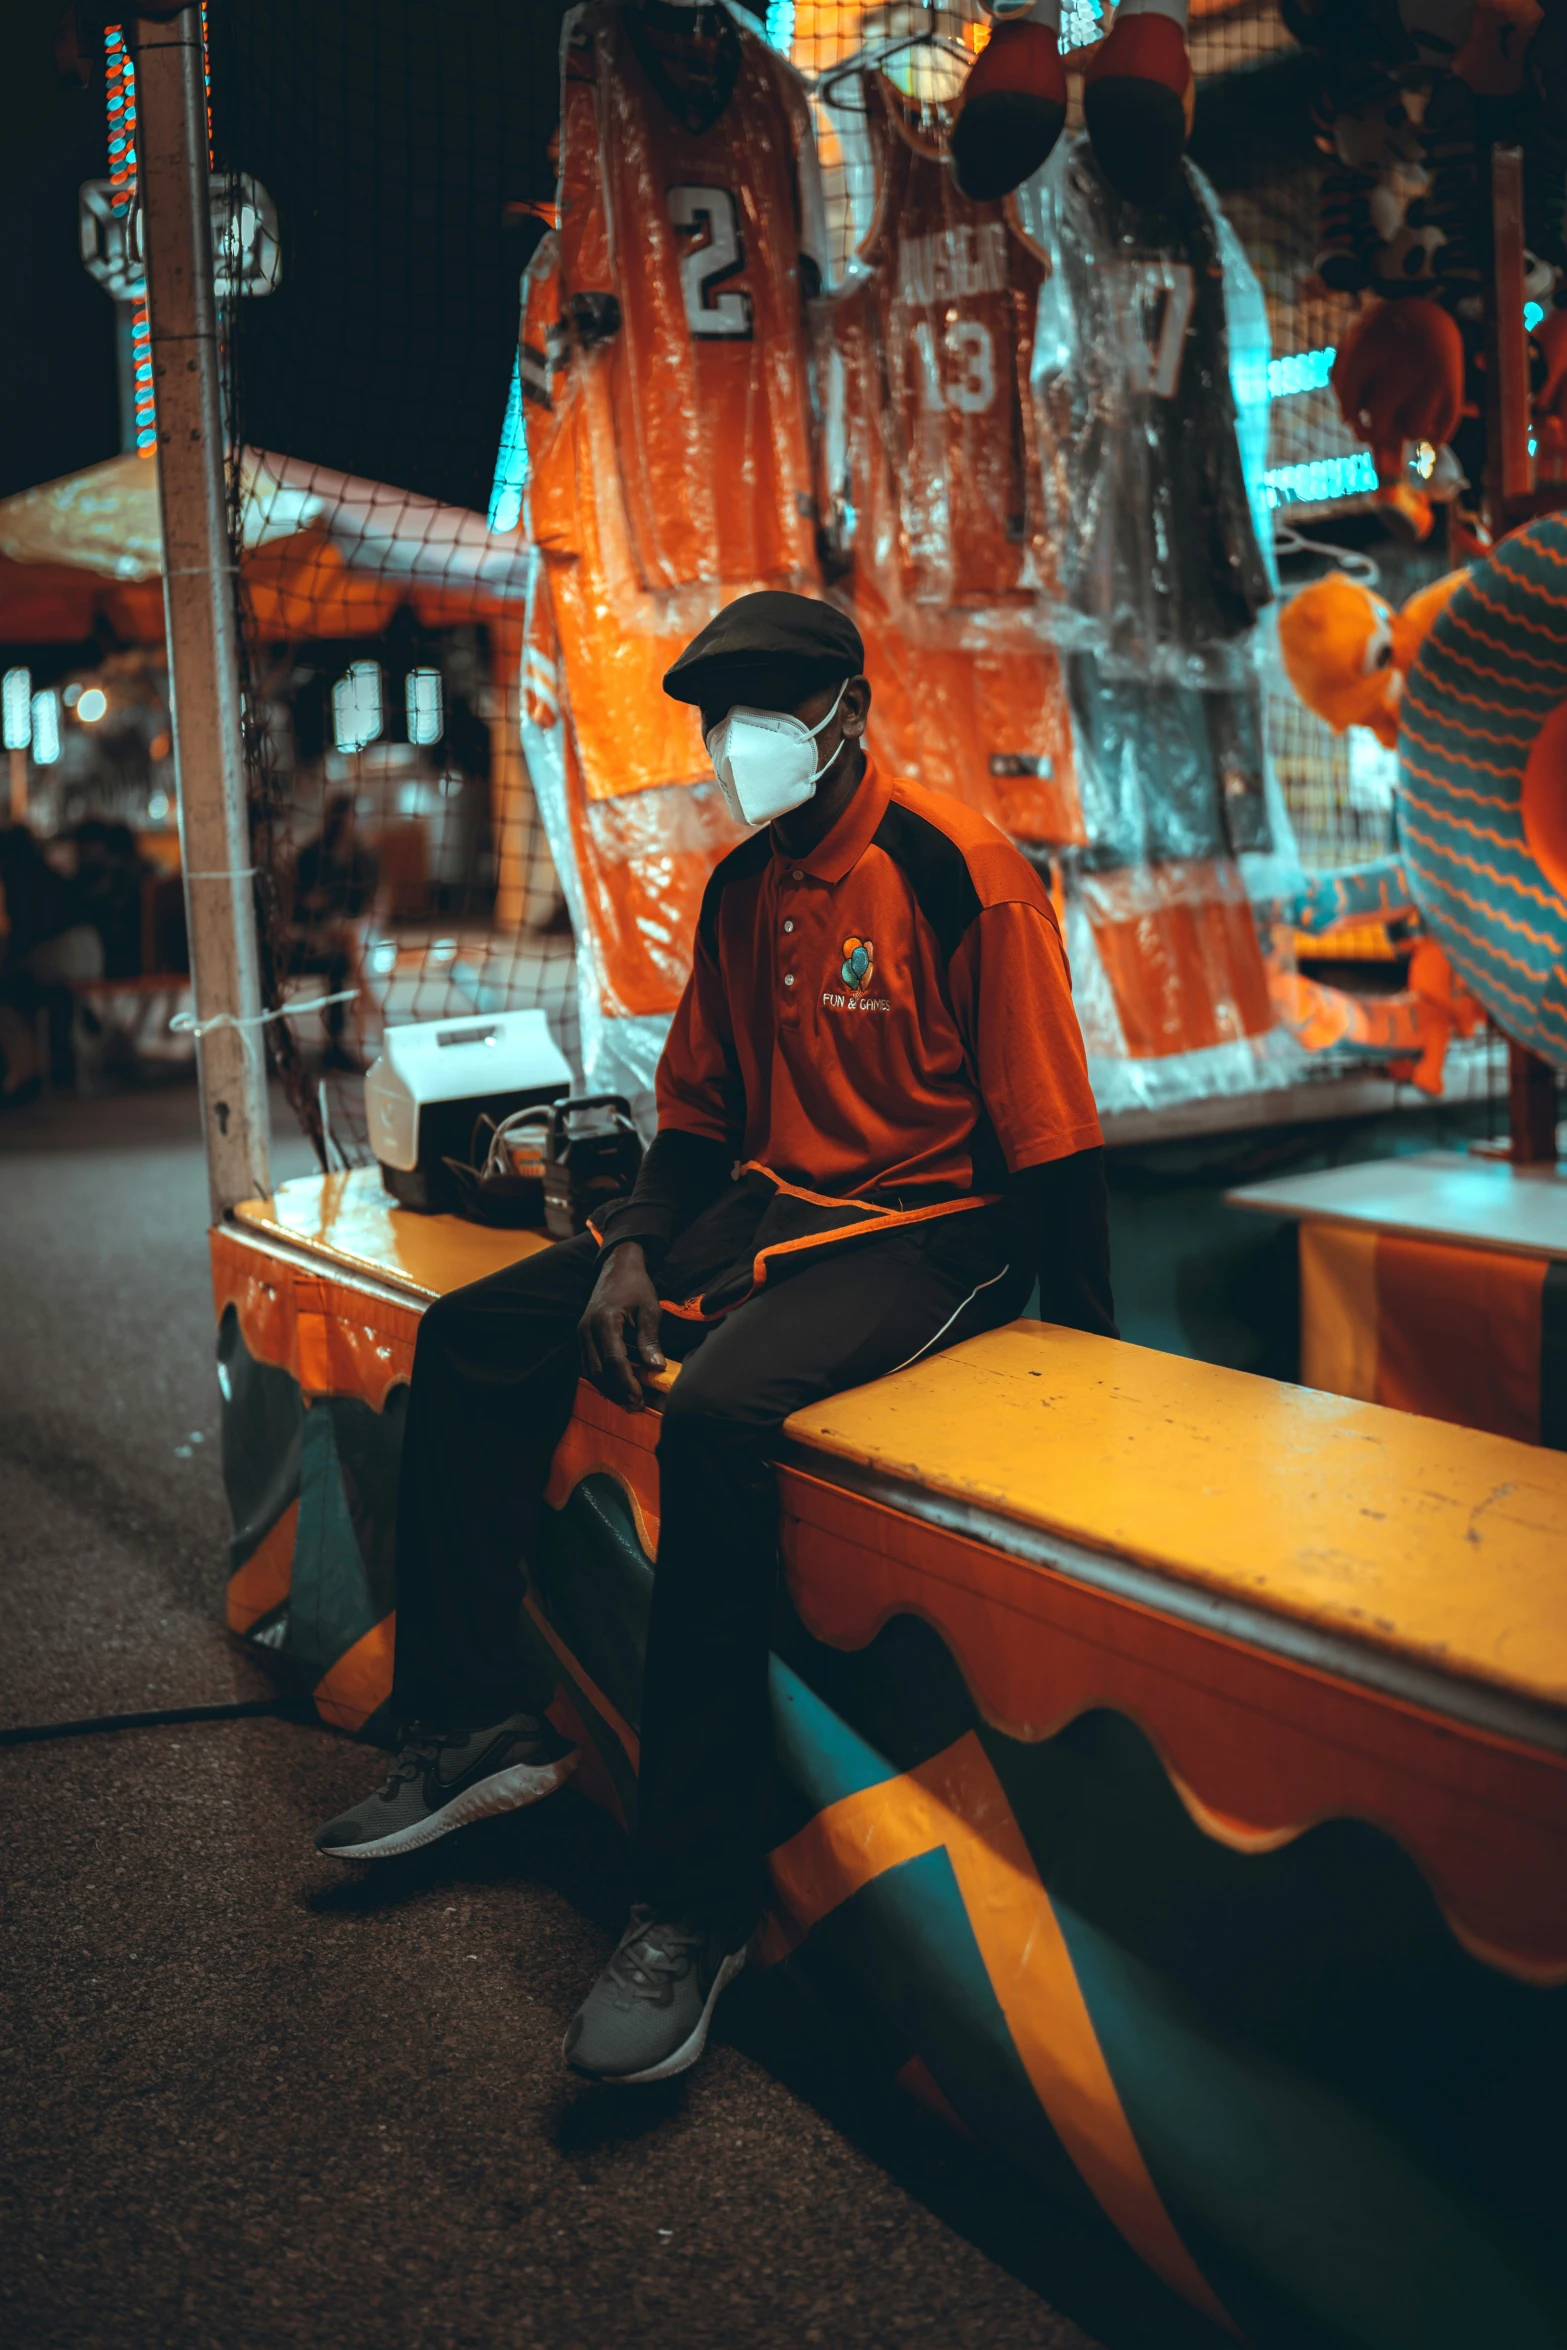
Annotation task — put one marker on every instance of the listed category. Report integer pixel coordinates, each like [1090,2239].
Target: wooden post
[18,787]
[198,600]
[1531,1108]
[1509,468]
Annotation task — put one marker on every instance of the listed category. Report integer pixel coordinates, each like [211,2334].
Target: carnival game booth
[323,556]
[1170,1765]
[336,574]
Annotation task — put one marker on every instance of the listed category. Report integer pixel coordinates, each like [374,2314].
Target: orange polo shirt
[890,1014]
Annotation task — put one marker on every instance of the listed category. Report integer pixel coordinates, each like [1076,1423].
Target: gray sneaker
[443,1779]
[646,2017]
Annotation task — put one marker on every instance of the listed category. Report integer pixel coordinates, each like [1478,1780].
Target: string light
[46,729]
[120,84]
[15,708]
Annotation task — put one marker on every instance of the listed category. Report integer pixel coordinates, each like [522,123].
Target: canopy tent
[324,555]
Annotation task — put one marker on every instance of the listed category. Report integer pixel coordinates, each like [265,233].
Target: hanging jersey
[688,194]
[935,347]
[930,489]
[633,869]
[1151,515]
[616,640]
[634,819]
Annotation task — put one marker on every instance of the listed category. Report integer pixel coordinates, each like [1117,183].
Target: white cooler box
[435,1077]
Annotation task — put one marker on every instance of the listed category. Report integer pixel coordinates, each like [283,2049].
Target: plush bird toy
[1138,94]
[1347,653]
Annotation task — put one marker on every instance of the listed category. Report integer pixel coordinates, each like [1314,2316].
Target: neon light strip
[1322,482]
[1300,371]
[120,72]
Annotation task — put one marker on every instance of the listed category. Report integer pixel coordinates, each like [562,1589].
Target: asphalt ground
[250,2098]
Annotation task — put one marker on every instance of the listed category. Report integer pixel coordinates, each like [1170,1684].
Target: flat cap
[808,643]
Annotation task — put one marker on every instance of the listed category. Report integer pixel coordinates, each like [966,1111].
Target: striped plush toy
[1470,681]
[1482,790]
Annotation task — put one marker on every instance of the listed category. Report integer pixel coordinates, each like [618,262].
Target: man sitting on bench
[875,1131]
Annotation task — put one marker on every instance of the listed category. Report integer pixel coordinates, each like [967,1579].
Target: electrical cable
[165,1718]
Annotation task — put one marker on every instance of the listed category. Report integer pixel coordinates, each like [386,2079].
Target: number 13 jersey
[688,195]
[932,491]
[934,348]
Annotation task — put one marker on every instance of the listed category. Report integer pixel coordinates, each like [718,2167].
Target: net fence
[403,160]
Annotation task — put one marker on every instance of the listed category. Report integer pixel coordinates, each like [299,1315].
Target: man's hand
[623,1293]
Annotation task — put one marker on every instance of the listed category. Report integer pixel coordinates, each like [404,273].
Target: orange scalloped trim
[1258,1748]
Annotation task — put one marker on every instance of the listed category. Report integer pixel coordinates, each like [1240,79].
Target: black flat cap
[801,641]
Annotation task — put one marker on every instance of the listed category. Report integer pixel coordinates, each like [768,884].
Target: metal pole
[198,601]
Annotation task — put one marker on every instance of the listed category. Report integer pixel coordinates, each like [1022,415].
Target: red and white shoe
[1013,110]
[1138,95]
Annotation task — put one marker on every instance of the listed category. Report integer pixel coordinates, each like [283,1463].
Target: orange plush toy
[1347,653]
[1400,378]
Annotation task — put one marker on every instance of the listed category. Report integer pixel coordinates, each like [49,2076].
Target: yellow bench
[1110,1677]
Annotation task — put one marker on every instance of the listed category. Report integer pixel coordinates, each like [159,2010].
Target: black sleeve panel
[680,1175]
[1064,1208]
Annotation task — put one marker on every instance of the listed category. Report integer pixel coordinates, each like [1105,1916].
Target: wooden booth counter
[1436,1283]
[1171,1765]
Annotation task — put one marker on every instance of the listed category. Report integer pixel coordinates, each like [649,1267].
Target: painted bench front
[1171,1765]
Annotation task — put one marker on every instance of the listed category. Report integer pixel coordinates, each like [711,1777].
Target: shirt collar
[841,849]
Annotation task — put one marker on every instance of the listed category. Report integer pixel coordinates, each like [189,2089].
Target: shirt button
[797,874]
[788,926]
[788,979]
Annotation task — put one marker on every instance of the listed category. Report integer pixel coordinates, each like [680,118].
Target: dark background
[400,141]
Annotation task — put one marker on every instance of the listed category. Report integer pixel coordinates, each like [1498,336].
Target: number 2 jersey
[665,375]
[932,486]
[688,195]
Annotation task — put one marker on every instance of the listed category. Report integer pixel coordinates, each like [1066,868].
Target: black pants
[495,1376]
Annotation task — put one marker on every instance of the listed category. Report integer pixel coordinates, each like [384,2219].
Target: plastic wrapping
[1160,564]
[688,195]
[665,382]
[633,870]
[931,488]
[1151,383]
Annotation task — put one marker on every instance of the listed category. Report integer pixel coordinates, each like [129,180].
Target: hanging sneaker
[442,1779]
[1013,110]
[646,2017]
[1138,96]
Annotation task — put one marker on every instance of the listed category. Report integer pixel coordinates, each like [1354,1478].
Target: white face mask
[764,762]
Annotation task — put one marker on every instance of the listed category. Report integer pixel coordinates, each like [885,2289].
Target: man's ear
[855,708]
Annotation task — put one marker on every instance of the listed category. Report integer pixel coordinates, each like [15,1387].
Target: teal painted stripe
[816,1750]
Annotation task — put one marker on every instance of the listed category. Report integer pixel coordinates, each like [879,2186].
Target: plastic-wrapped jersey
[932,494]
[1150,380]
[664,372]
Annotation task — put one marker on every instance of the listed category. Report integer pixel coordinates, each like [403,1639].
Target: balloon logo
[857,962]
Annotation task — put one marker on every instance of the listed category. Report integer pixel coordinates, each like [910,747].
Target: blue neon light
[1322,481]
[511,463]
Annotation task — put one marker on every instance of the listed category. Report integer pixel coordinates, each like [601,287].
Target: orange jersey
[935,348]
[634,868]
[616,640]
[1178,947]
[930,477]
[688,191]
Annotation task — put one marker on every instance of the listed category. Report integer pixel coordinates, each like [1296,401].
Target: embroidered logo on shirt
[858,963]
[856,972]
